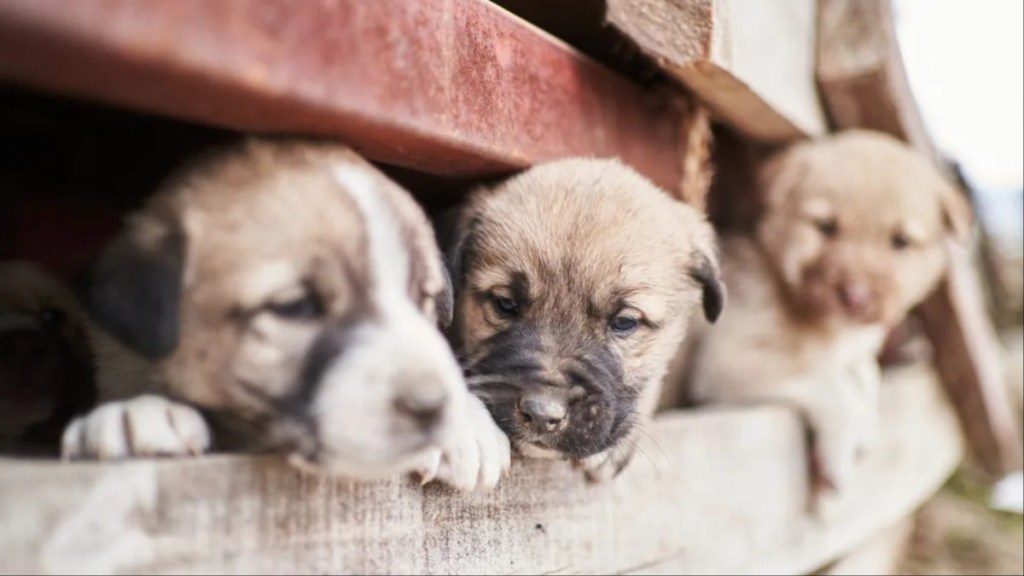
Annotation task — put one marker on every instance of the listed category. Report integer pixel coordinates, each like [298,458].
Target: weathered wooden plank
[880,555]
[751,62]
[714,491]
[860,72]
[864,85]
[453,87]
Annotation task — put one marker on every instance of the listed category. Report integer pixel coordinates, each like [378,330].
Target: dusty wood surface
[864,85]
[750,61]
[879,556]
[718,492]
[453,87]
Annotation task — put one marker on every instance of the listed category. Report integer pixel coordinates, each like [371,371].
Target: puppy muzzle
[380,395]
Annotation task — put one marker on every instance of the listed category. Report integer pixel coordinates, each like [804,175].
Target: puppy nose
[855,297]
[424,409]
[543,414]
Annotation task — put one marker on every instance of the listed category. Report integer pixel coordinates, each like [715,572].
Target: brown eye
[505,306]
[623,325]
[827,226]
[308,307]
[900,241]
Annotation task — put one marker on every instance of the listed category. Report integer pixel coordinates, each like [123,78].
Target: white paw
[475,458]
[141,427]
[839,448]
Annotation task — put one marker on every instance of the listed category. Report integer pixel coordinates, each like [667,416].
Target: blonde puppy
[574,283]
[287,294]
[852,237]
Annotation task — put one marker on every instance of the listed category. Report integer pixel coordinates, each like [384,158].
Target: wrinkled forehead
[871,189]
[567,266]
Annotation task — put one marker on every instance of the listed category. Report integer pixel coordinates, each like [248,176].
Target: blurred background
[965,62]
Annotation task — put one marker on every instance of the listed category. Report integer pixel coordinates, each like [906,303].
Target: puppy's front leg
[141,427]
[476,456]
[844,418]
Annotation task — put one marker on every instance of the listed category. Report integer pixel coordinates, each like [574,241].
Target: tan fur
[787,335]
[587,234]
[270,223]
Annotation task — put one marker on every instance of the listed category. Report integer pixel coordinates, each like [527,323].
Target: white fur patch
[389,257]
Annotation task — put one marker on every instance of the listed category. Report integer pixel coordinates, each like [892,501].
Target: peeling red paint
[452,87]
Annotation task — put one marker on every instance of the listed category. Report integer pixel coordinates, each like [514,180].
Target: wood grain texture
[751,62]
[451,87]
[864,85]
[719,491]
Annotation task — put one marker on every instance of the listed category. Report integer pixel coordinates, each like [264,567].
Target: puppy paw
[475,458]
[835,457]
[141,427]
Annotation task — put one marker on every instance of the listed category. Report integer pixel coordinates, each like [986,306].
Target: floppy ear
[780,171]
[705,271]
[133,290]
[956,212]
[703,264]
[452,228]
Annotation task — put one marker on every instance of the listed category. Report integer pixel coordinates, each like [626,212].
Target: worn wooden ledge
[719,491]
[450,87]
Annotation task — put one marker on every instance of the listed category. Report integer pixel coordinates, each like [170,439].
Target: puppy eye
[307,307]
[828,227]
[52,318]
[505,306]
[900,241]
[623,325]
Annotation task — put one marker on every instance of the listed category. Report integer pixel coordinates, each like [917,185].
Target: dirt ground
[956,533]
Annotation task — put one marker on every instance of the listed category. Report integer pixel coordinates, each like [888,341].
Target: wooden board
[750,61]
[716,491]
[452,87]
[864,85]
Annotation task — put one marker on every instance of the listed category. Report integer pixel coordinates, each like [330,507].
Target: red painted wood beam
[451,87]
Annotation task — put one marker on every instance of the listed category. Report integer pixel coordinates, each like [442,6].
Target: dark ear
[133,291]
[956,212]
[452,229]
[705,272]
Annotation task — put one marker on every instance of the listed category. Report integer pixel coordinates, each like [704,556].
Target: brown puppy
[851,238]
[288,293]
[574,282]
[47,361]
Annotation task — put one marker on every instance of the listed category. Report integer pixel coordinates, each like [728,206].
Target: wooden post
[864,85]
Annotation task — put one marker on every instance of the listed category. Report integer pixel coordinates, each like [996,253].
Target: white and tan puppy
[574,283]
[287,294]
[851,238]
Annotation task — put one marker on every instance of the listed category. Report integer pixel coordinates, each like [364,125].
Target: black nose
[543,415]
[425,411]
